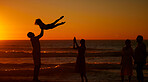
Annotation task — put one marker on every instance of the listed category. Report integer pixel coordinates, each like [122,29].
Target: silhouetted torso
[127,54]
[47,26]
[126,61]
[42,25]
[36,50]
[80,62]
[81,51]
[140,53]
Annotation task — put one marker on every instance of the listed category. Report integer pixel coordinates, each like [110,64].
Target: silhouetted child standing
[36,52]
[48,26]
[80,62]
[127,61]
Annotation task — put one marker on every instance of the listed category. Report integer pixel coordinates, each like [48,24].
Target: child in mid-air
[48,26]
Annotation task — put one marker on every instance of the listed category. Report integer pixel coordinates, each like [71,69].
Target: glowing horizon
[97,19]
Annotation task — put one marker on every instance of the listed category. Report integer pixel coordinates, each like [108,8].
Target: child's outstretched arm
[41,34]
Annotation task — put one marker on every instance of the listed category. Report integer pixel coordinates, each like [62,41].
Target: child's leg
[59,24]
[51,26]
[58,20]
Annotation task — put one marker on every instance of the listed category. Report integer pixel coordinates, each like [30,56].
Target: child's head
[37,21]
[82,42]
[30,34]
[128,43]
[139,39]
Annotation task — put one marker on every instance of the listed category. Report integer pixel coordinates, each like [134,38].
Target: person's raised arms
[76,43]
[41,34]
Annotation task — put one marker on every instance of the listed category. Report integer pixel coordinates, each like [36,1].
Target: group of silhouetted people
[139,56]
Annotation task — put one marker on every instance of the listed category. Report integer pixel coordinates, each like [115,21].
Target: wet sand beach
[66,73]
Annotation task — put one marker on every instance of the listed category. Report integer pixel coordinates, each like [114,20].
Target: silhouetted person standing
[36,52]
[127,61]
[140,58]
[48,26]
[80,62]
[74,43]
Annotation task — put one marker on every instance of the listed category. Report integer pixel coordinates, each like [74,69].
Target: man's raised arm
[41,34]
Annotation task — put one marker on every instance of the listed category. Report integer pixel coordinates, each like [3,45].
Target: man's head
[30,34]
[38,21]
[139,39]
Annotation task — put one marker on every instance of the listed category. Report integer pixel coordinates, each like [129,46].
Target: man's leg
[36,72]
[122,78]
[129,78]
[138,72]
[141,72]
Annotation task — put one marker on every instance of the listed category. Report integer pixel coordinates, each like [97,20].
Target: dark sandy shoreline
[66,73]
[96,72]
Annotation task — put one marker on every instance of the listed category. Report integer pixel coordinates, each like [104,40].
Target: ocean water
[11,51]
[56,45]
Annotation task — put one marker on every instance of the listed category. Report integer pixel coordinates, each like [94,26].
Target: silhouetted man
[140,58]
[36,52]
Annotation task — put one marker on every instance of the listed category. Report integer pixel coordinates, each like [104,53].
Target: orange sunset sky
[88,19]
